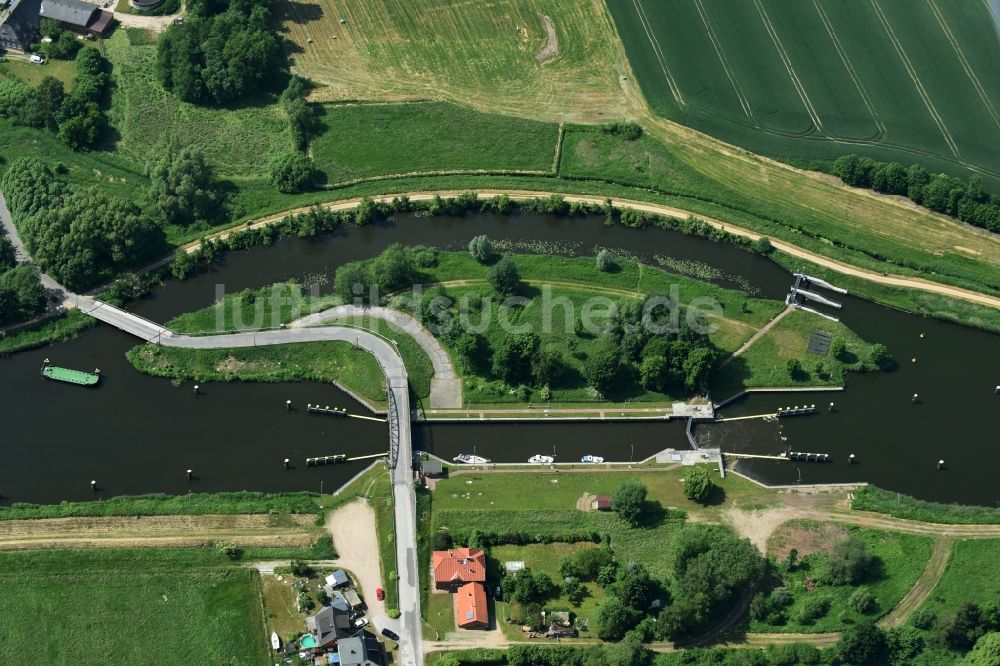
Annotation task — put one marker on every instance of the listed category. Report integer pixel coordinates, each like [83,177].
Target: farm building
[19,24]
[471,611]
[79,16]
[458,566]
[602,503]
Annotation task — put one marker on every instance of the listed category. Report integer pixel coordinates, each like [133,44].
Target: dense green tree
[654,373]
[505,278]
[574,592]
[586,564]
[635,587]
[903,644]
[21,294]
[795,368]
[48,103]
[966,627]
[986,651]
[81,127]
[473,349]
[481,248]
[614,619]
[605,261]
[630,651]
[293,172]
[29,186]
[351,282]
[7,258]
[181,188]
[549,367]
[879,356]
[860,645]
[849,563]
[862,600]
[629,501]
[221,53]
[603,364]
[514,358]
[302,121]
[89,235]
[392,270]
[698,484]
[526,587]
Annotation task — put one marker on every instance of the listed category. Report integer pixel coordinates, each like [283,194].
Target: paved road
[446,387]
[411,651]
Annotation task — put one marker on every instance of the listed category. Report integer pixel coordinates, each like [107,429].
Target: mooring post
[830,408]
[286,462]
[850,459]
[196,389]
[940,464]
[288,405]
[915,398]
[93,486]
[189,473]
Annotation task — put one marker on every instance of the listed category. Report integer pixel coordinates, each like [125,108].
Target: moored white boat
[470,459]
[275,641]
[541,460]
[591,459]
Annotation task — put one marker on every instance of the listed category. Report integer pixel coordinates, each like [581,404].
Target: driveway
[352,528]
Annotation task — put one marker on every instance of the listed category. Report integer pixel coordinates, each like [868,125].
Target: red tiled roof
[470,606]
[463,565]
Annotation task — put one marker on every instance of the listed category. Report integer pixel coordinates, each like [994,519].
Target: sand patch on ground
[550,50]
[586,502]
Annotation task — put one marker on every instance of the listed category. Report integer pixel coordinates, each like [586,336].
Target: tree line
[21,294]
[940,192]
[225,50]
[79,235]
[78,117]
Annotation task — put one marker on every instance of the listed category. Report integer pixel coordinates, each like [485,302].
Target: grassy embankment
[192,504]
[972,576]
[900,561]
[872,498]
[130,606]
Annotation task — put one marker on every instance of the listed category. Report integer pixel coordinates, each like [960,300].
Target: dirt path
[759,334]
[919,284]
[925,584]
[157,531]
[352,528]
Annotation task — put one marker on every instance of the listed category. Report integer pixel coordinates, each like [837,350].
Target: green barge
[77,377]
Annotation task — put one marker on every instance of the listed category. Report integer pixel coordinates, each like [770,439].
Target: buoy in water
[189,474]
[93,485]
[940,464]
[850,459]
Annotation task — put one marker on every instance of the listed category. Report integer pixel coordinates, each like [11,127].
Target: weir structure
[799,294]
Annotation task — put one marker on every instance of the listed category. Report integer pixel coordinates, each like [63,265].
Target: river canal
[138,434]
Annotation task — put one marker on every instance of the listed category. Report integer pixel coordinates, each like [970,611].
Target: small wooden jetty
[802,456]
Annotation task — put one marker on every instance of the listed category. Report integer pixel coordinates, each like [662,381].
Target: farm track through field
[987,104]
[890,33]
[787,62]
[744,102]
[658,52]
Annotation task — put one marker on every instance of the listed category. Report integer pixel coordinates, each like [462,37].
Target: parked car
[362,622]
[37,59]
[380,594]
[390,634]
[179,20]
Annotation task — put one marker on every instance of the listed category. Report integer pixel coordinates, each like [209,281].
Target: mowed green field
[815,79]
[365,140]
[128,607]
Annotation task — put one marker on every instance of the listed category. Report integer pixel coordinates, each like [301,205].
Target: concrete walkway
[759,334]
[446,387]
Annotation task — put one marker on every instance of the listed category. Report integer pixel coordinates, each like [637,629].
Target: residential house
[79,16]
[471,611]
[362,649]
[329,625]
[458,566]
[19,24]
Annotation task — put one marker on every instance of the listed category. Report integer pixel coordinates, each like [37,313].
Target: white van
[37,59]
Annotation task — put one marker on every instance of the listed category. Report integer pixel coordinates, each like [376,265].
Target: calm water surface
[138,434]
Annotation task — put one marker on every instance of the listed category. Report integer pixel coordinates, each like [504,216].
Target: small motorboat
[541,460]
[467,459]
[275,641]
[591,459]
